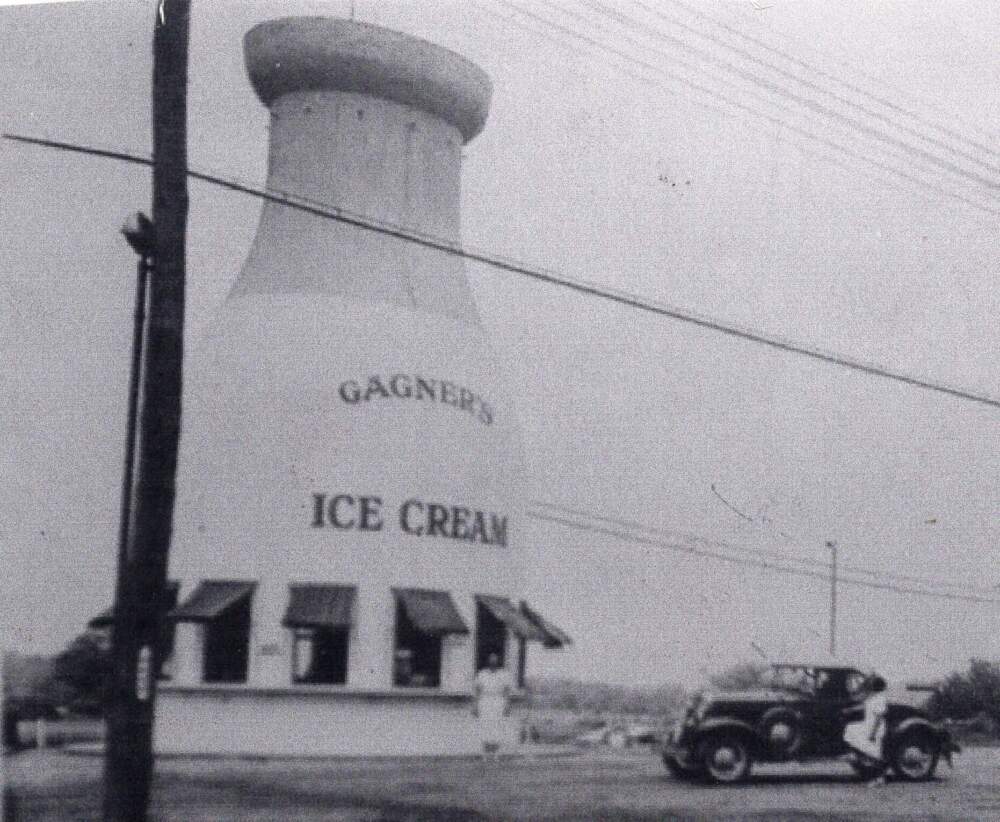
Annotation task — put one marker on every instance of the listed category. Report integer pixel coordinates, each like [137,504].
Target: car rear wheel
[781,730]
[914,756]
[727,759]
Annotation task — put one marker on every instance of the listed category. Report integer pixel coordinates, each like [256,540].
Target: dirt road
[603,785]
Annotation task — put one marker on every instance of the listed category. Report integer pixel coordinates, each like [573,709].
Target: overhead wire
[628,536]
[776,555]
[700,87]
[848,65]
[564,9]
[852,87]
[450,247]
[816,87]
[656,83]
[772,88]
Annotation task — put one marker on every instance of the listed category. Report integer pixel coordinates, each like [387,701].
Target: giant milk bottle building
[348,528]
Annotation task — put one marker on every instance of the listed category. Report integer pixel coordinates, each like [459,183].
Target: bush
[972,695]
[83,670]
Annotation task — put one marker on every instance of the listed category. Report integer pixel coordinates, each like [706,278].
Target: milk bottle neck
[386,162]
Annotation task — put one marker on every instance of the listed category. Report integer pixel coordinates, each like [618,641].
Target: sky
[823,173]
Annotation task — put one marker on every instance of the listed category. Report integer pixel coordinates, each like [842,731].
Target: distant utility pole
[833,597]
[140,591]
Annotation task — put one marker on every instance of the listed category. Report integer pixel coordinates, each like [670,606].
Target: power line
[658,85]
[542,275]
[887,87]
[869,112]
[917,181]
[780,91]
[778,555]
[806,145]
[882,101]
[756,563]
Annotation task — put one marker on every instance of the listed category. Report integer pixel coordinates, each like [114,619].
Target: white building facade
[349,523]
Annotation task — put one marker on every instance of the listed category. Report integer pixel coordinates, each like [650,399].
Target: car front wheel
[914,756]
[726,759]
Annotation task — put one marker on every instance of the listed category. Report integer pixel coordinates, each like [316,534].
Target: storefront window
[319,656]
[491,636]
[417,658]
[227,644]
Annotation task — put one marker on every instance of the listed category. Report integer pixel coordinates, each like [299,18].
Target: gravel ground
[592,785]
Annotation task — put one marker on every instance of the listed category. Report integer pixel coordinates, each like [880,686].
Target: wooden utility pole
[140,592]
[833,597]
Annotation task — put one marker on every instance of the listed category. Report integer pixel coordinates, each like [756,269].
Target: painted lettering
[465,399]
[350,391]
[335,503]
[415,517]
[426,388]
[478,531]
[459,516]
[413,386]
[404,517]
[371,519]
[499,529]
[400,386]
[319,500]
[437,518]
[448,393]
[375,387]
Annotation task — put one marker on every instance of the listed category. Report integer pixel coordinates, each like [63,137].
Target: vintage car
[800,715]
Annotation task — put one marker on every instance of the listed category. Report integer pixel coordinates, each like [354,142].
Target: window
[320,617]
[422,619]
[224,609]
[417,661]
[491,636]
[494,617]
[227,644]
[319,656]
[102,625]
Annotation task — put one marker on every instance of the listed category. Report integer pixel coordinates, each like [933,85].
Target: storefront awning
[504,610]
[432,612]
[106,618]
[554,637]
[211,598]
[319,606]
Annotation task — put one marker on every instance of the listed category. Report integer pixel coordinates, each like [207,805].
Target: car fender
[918,723]
[710,727]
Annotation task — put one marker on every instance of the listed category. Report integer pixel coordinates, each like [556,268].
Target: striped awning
[504,610]
[319,606]
[432,612]
[212,598]
[554,637]
[106,618]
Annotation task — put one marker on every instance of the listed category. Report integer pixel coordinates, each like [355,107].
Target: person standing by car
[866,736]
[493,690]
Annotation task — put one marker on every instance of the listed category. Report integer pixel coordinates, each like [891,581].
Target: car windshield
[822,683]
[790,678]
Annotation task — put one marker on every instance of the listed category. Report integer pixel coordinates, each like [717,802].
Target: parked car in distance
[799,716]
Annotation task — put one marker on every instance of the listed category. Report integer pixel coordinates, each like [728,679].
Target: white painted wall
[317,304]
[220,720]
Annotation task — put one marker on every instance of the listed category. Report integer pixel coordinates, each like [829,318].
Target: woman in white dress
[492,705]
[866,737]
